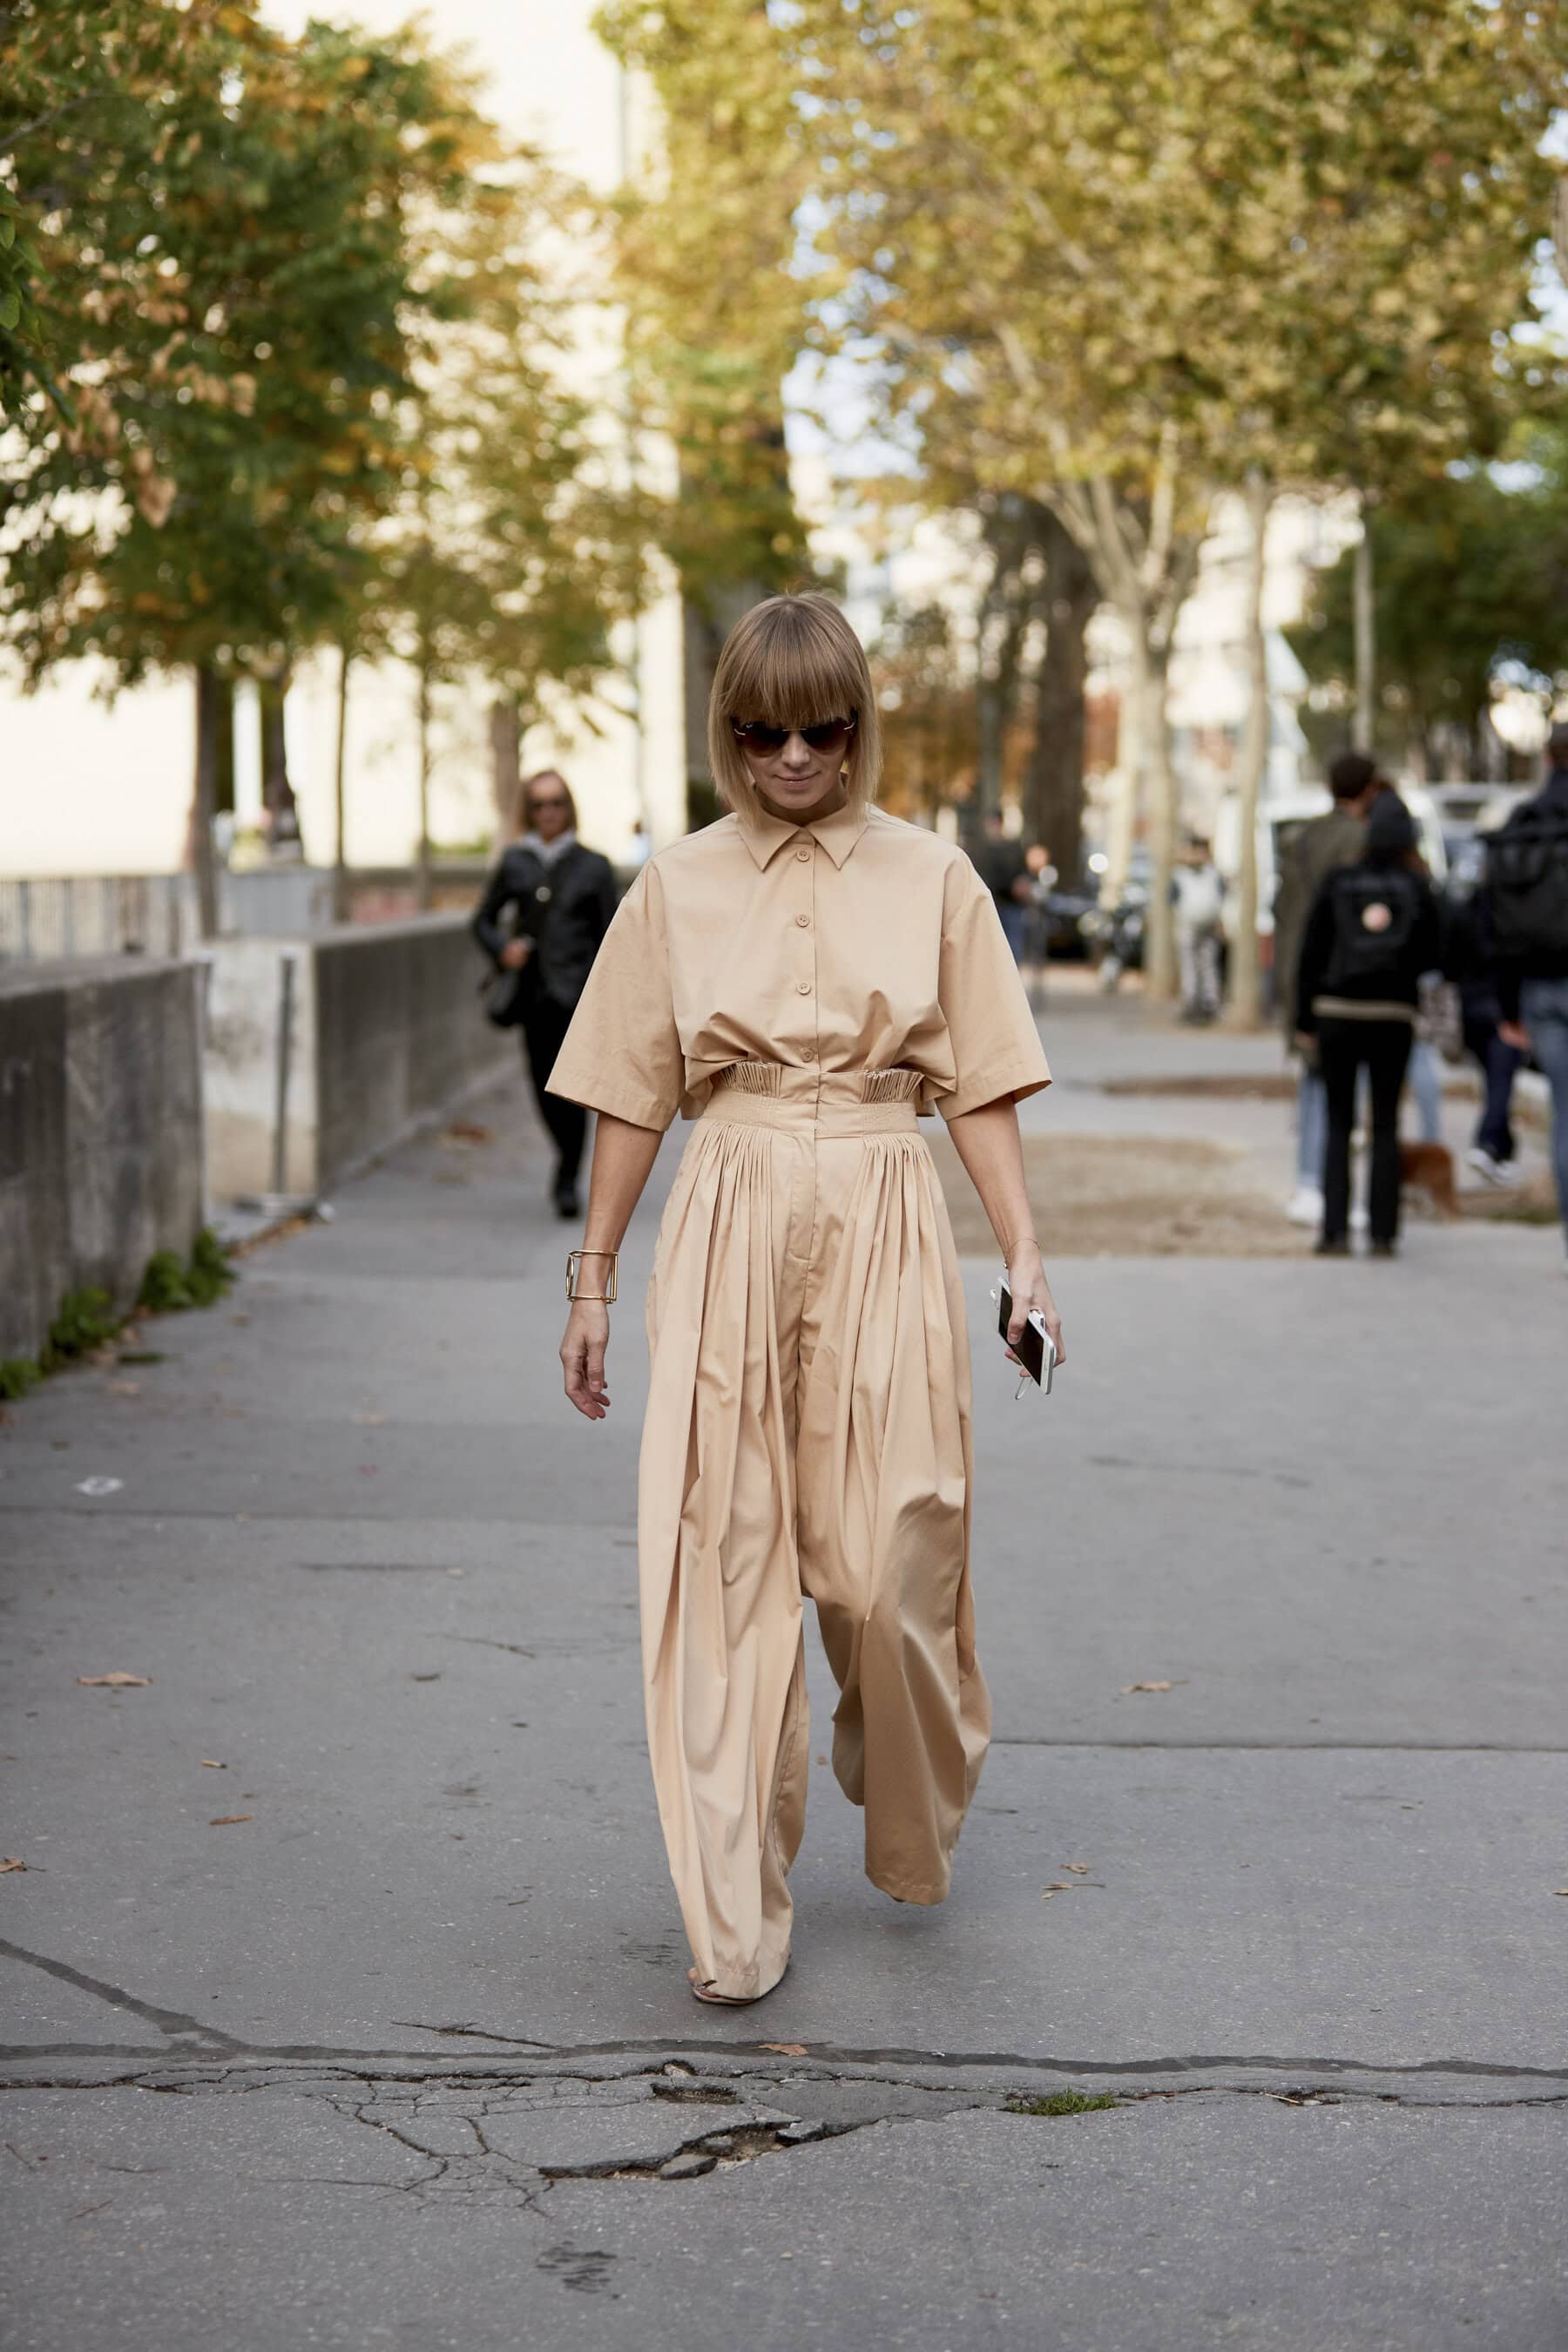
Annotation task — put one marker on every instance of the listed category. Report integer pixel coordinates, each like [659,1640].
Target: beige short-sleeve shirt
[855,943]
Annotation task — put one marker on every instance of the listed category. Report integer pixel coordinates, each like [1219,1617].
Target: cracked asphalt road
[405,2057]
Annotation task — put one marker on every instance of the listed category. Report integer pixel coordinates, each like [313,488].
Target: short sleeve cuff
[616,1101]
[1007,1081]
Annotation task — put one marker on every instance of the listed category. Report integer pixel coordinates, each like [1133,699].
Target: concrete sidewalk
[442,2083]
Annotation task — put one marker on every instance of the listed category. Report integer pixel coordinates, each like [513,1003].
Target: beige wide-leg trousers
[807,1431]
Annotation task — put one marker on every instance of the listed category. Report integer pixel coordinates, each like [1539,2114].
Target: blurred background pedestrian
[1526,914]
[1198,899]
[1336,839]
[1003,870]
[1372,931]
[1469,963]
[546,907]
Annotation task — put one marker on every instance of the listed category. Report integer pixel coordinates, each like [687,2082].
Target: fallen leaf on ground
[223,1820]
[1560,1890]
[1151,1686]
[125,1387]
[12,1862]
[1078,1866]
[467,1130]
[786,2049]
[115,1682]
[1059,1886]
[213,1765]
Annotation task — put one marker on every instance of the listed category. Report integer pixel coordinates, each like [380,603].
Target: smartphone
[1035,1347]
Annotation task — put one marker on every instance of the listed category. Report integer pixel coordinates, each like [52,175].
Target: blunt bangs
[790,662]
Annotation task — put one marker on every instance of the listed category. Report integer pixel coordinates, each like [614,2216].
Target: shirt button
[808,1053]
[803,853]
[803,988]
[805,923]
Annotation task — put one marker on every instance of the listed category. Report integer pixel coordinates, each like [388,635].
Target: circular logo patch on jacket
[1375,917]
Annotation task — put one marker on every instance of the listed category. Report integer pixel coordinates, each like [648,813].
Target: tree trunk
[276,791]
[1246,980]
[1054,786]
[506,763]
[203,858]
[1126,780]
[1150,687]
[426,880]
[1365,626]
[1003,620]
[223,777]
[339,802]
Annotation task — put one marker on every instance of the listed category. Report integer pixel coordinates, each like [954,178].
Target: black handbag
[502,997]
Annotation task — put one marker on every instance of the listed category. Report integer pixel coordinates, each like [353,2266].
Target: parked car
[1066,910]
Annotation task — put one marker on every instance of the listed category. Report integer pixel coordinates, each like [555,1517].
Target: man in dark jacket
[1328,842]
[1526,901]
[560,897]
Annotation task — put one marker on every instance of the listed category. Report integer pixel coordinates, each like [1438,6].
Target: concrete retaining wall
[387,1033]
[101,1133]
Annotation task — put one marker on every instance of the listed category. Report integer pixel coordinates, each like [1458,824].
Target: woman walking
[560,897]
[802,976]
[1372,931]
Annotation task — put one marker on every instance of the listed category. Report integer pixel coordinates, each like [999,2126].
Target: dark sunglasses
[823,735]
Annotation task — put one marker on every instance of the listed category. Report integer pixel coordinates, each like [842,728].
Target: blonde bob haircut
[790,663]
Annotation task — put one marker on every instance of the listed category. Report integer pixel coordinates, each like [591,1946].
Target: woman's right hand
[514,955]
[582,1356]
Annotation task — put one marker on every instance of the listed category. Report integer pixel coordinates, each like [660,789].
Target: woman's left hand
[1032,1295]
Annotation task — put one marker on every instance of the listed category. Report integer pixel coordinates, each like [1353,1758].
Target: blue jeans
[1014,925]
[1498,1065]
[1427,1085]
[1311,1130]
[1543,1009]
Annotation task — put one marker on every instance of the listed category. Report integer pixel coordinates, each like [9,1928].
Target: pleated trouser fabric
[807,1432]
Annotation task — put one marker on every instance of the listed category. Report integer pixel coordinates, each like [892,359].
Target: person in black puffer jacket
[1374,929]
[560,897]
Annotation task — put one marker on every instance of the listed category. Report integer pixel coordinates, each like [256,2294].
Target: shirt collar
[765,834]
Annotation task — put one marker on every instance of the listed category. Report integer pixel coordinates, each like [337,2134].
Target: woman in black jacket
[1374,929]
[560,897]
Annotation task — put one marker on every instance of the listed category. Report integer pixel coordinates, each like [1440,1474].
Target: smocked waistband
[835,1102]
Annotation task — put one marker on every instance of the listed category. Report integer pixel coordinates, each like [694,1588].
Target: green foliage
[1469,572]
[715,316]
[170,1285]
[85,1319]
[163,1287]
[1060,2102]
[210,1275]
[17,1375]
[289,331]
[234,293]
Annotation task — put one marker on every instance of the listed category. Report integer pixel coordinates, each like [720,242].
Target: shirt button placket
[806,966]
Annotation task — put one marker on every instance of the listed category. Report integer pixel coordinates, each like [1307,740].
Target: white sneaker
[1305,1206]
[1360,1222]
[1488,1169]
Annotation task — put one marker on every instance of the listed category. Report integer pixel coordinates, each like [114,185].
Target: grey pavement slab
[419,2007]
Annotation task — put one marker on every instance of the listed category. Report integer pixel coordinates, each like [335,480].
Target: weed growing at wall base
[88,1319]
[170,1285]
